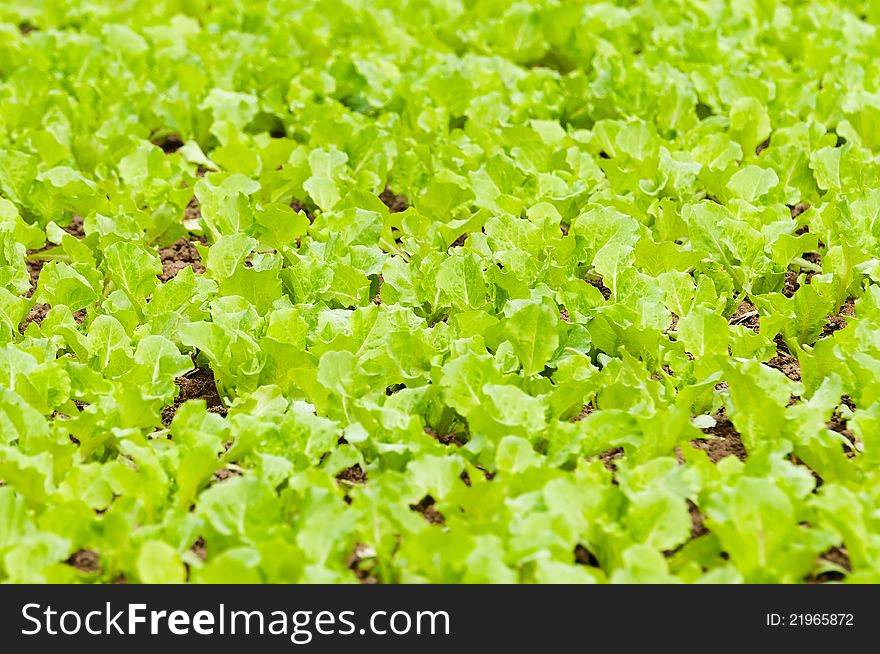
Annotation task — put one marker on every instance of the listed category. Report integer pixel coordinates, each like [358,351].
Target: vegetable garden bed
[379,292]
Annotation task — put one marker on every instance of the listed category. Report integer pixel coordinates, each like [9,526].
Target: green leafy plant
[439,292]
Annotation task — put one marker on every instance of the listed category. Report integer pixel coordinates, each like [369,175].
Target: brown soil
[457,243]
[428,510]
[465,478]
[814,258]
[780,344]
[169,142]
[85,561]
[746,315]
[395,203]
[355,475]
[609,457]
[724,440]
[791,284]
[697,527]
[786,363]
[197,385]
[362,562]
[34,268]
[200,548]
[297,206]
[377,298]
[762,146]
[225,473]
[26,28]
[838,556]
[598,283]
[586,410]
[673,323]
[798,209]
[178,256]
[75,228]
[564,229]
[193,211]
[563,314]
[838,322]
[583,556]
[36,314]
[839,424]
[446,439]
